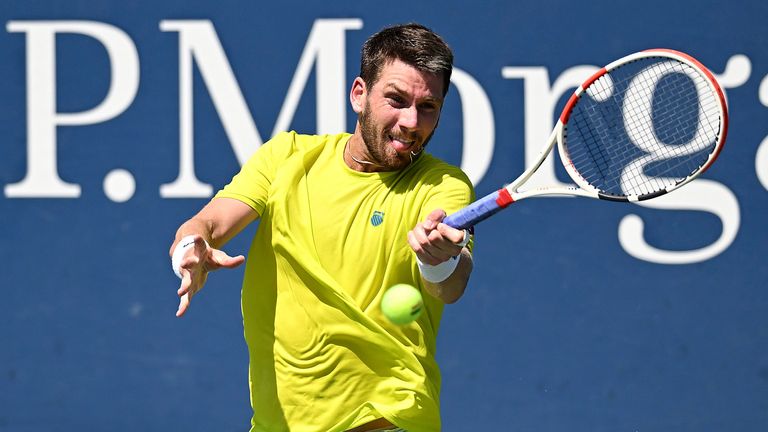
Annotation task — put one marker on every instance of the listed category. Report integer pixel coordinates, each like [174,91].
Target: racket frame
[500,199]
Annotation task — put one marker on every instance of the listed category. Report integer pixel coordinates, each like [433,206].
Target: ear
[357,95]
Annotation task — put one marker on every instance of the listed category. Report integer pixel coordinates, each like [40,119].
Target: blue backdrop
[120,118]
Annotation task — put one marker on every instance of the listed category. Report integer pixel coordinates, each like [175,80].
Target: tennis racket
[639,128]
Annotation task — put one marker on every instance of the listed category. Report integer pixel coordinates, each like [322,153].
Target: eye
[396,100]
[429,107]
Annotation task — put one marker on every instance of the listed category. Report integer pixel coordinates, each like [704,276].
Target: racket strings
[643,127]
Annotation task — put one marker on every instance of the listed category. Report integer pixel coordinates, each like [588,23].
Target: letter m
[199,44]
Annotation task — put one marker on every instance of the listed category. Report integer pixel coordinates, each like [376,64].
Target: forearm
[451,289]
[219,221]
[195,226]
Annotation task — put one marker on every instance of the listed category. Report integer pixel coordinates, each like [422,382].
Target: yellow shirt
[330,241]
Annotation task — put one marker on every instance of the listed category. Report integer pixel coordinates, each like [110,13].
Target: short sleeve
[251,185]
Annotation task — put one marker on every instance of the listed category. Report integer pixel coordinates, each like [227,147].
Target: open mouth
[401,144]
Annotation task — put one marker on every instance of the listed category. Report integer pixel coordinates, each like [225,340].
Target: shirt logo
[377,218]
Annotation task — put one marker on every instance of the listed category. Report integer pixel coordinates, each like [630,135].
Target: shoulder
[435,183]
[284,145]
[292,141]
[435,171]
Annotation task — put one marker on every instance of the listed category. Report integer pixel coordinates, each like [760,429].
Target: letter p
[42,178]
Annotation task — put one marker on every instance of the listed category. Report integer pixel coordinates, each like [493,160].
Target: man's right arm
[211,228]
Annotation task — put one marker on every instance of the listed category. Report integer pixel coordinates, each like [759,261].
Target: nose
[409,117]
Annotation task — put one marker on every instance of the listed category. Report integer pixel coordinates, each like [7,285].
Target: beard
[376,142]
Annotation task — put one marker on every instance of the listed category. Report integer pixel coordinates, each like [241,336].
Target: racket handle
[479,210]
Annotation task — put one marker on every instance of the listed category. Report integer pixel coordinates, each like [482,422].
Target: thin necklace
[361,162]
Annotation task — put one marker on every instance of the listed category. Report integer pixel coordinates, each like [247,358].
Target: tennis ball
[402,304]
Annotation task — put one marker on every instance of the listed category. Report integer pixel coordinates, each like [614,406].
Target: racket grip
[478,211]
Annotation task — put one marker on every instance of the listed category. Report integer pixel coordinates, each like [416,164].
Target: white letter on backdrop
[198,42]
[42,178]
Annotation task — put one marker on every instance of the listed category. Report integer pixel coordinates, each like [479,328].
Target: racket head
[643,126]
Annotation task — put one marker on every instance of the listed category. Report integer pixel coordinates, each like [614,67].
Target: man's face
[398,114]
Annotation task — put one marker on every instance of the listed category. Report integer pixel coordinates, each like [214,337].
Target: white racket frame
[583,188]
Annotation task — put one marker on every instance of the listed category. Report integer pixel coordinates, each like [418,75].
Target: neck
[364,162]
[358,163]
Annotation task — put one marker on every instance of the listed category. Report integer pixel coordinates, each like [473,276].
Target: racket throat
[505,198]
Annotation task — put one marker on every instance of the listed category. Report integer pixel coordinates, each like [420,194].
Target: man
[342,218]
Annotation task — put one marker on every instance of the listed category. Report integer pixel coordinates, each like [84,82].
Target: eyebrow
[394,86]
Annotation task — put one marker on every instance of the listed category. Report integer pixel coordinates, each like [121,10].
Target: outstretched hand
[197,262]
[433,241]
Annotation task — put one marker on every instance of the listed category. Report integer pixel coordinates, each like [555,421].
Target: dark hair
[412,44]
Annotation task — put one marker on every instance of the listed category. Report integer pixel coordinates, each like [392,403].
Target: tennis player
[342,218]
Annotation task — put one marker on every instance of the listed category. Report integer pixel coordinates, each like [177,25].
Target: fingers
[194,269]
[185,292]
[191,261]
[434,217]
[232,262]
[200,245]
[183,305]
[189,287]
[419,241]
[219,259]
[435,242]
[186,281]
[452,234]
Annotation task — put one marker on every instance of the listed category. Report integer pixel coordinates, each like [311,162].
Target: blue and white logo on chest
[377,218]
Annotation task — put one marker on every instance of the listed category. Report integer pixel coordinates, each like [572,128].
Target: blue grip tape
[474,213]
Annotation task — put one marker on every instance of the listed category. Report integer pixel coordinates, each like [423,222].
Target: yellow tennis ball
[402,304]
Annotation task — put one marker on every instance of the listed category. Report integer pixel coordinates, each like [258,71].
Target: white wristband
[465,240]
[440,272]
[444,270]
[179,251]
